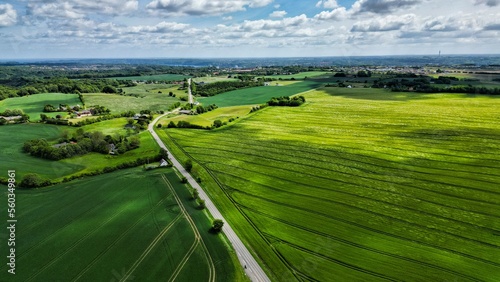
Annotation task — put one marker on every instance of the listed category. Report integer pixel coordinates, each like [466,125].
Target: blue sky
[246,28]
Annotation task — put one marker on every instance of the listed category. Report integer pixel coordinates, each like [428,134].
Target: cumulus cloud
[74,9]
[328,4]
[336,14]
[489,3]
[278,14]
[8,15]
[203,7]
[273,24]
[388,23]
[162,27]
[382,6]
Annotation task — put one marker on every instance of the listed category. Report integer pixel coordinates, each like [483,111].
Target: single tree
[188,165]
[217,225]
[195,194]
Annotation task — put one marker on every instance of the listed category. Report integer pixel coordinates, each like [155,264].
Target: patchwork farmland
[360,185]
[140,224]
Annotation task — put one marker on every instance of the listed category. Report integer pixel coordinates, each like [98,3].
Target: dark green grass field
[258,95]
[361,185]
[12,138]
[33,105]
[122,226]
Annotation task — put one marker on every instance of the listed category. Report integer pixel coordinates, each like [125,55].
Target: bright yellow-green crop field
[360,185]
[207,119]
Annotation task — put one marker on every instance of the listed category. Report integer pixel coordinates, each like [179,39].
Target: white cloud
[328,4]
[162,27]
[8,16]
[388,23]
[336,14]
[278,14]
[272,24]
[74,9]
[203,7]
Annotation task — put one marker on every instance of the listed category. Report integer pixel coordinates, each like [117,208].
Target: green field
[211,79]
[158,77]
[12,138]
[11,150]
[120,104]
[258,95]
[360,185]
[33,105]
[300,75]
[207,119]
[122,226]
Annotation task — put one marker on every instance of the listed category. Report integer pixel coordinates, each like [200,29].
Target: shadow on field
[374,94]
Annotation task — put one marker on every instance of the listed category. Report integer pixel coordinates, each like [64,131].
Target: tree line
[79,144]
[424,85]
[287,101]
[211,89]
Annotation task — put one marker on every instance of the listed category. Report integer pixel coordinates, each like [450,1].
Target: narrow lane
[248,262]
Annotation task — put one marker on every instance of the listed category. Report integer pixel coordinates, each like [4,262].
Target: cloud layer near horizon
[204,28]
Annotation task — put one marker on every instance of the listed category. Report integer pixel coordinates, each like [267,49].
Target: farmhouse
[11,118]
[112,149]
[185,112]
[163,163]
[84,113]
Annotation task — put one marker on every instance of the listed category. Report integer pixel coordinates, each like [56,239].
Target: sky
[246,28]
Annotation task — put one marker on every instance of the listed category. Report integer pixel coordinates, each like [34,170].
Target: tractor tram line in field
[428,184]
[219,183]
[241,207]
[304,152]
[364,149]
[249,152]
[347,242]
[125,233]
[54,233]
[345,193]
[362,177]
[329,216]
[75,244]
[198,239]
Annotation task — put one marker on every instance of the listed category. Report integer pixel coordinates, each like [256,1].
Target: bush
[188,165]
[201,204]
[184,180]
[31,180]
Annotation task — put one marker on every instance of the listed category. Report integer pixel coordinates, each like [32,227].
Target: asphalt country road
[250,265]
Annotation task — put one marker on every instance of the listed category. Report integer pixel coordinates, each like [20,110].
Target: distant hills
[410,60]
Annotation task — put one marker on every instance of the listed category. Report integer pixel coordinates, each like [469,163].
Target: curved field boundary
[373,229]
[235,204]
[149,248]
[124,233]
[353,244]
[346,193]
[83,238]
[198,238]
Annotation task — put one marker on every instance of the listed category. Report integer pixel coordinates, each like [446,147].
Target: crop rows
[401,189]
[112,226]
